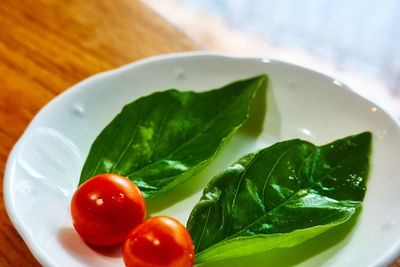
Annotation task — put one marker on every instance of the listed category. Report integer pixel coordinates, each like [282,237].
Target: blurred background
[356,41]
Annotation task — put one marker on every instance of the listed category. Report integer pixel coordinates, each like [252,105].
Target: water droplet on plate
[291,85]
[306,131]
[78,109]
[389,224]
[382,133]
[29,189]
[336,82]
[179,73]
[266,60]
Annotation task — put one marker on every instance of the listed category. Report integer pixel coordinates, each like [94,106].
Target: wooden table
[46,46]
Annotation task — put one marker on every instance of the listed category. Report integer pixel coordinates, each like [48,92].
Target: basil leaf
[280,197]
[160,140]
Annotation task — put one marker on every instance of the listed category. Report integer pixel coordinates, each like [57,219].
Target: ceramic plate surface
[43,168]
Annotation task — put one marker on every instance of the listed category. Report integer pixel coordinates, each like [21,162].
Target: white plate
[43,168]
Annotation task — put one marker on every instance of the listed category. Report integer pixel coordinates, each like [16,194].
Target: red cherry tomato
[105,208]
[159,242]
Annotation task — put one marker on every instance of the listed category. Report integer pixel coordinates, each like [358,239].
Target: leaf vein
[161,128]
[283,203]
[204,129]
[273,168]
[204,228]
[131,139]
[107,147]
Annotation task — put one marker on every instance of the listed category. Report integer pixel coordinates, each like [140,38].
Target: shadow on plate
[258,110]
[330,242]
[241,143]
[229,154]
[70,240]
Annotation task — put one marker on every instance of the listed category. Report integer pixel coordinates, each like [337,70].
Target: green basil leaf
[280,197]
[160,140]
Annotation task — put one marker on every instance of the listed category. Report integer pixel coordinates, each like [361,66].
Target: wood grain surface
[46,46]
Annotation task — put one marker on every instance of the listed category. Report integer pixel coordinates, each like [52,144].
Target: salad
[279,196]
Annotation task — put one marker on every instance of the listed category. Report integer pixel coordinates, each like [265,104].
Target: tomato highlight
[159,242]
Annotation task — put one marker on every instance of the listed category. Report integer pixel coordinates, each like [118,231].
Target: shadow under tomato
[330,242]
[112,252]
[85,252]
